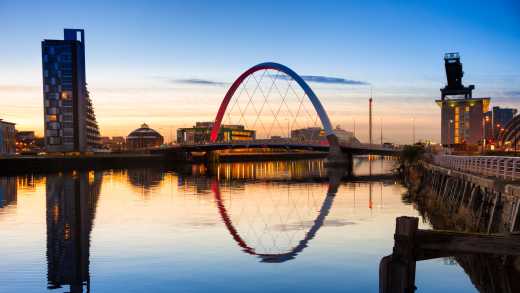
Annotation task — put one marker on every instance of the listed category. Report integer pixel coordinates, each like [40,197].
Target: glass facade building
[200,133]
[69,121]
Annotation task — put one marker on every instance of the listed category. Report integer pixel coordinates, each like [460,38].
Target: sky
[170,64]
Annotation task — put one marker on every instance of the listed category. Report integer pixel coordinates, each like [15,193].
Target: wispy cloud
[327,79]
[513,94]
[198,81]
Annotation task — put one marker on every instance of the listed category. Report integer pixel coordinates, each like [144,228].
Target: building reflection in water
[71,208]
[8,191]
[146,179]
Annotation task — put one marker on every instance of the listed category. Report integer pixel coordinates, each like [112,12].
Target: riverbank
[56,163]
[458,201]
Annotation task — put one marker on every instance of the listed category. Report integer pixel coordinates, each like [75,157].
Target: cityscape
[201,146]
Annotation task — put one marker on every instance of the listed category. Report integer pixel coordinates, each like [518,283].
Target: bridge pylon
[336,157]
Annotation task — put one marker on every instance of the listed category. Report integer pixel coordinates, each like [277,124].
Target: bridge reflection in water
[255,214]
[282,247]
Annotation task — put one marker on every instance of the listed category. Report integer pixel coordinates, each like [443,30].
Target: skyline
[182,66]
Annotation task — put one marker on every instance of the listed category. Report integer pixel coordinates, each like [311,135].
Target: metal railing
[496,166]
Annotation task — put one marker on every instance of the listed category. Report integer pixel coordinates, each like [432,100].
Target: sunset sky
[170,64]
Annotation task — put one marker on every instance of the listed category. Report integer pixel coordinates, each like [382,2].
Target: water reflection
[71,208]
[8,191]
[334,175]
[308,221]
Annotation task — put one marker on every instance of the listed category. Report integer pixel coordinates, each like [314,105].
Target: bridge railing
[495,166]
[282,141]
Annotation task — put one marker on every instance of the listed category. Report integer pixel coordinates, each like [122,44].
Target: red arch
[325,121]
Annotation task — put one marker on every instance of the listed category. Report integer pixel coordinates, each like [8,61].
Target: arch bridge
[338,152]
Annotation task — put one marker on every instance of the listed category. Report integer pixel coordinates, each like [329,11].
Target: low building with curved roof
[144,137]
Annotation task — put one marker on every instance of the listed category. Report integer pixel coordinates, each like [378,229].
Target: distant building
[7,138]
[25,141]
[308,134]
[318,134]
[462,116]
[501,116]
[346,137]
[115,143]
[200,133]
[144,137]
[69,120]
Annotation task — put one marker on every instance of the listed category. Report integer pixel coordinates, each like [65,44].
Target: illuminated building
[69,121]
[501,116]
[7,138]
[462,116]
[200,133]
[115,143]
[144,137]
[25,140]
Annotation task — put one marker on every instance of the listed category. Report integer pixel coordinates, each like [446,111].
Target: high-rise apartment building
[69,120]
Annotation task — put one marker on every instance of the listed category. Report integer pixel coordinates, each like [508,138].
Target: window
[52,118]
[53,125]
[51,132]
[67,118]
[54,140]
[68,132]
[68,139]
[65,95]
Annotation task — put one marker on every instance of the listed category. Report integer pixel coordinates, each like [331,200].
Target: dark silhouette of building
[143,137]
[454,76]
[462,116]
[71,208]
[69,120]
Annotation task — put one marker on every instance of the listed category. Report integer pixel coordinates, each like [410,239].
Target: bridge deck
[357,149]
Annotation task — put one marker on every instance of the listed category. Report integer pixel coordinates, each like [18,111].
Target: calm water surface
[241,227]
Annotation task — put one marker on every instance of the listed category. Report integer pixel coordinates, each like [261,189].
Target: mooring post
[397,272]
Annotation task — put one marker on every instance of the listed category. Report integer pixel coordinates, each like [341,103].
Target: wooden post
[397,274]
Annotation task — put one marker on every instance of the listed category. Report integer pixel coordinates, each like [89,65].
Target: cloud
[514,94]
[327,79]
[198,81]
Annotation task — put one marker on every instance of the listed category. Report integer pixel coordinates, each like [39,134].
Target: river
[279,226]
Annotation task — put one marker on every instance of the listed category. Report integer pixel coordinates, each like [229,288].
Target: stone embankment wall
[453,200]
[478,204]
